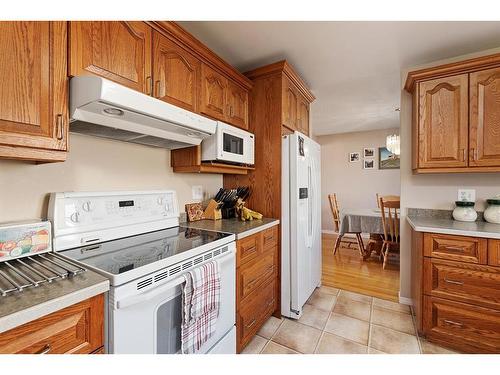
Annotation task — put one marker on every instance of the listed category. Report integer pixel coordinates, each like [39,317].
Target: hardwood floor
[347,271]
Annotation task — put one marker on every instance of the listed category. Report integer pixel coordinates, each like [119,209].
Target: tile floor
[341,322]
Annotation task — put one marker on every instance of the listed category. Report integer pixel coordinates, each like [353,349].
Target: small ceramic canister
[464,211]
[492,213]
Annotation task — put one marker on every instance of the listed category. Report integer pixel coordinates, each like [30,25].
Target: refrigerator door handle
[310,200]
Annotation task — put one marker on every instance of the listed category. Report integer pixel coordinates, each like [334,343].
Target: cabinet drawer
[253,275]
[247,249]
[465,327]
[461,248]
[255,312]
[463,282]
[75,329]
[270,237]
[494,253]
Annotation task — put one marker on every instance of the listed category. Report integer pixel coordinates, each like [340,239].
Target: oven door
[235,145]
[150,322]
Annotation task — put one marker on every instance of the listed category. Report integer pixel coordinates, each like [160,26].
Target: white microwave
[229,144]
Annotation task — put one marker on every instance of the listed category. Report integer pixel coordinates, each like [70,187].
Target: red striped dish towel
[201,302]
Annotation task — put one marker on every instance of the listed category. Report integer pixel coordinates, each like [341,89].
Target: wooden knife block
[212,211]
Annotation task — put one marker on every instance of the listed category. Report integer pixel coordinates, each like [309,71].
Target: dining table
[364,220]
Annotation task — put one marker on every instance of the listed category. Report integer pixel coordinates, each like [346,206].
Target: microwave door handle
[132,300]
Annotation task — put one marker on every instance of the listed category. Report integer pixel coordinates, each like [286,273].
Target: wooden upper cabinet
[303,116]
[443,122]
[290,105]
[33,93]
[237,102]
[176,73]
[484,138]
[214,87]
[117,50]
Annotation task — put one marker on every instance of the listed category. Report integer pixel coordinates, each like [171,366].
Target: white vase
[492,213]
[464,214]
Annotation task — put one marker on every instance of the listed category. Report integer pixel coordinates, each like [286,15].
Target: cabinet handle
[59,127]
[251,323]
[463,154]
[270,302]
[149,85]
[157,89]
[451,322]
[44,350]
[453,282]
[269,238]
[455,248]
[473,153]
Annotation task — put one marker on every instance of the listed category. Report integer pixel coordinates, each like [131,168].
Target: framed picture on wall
[368,152]
[354,157]
[387,160]
[369,164]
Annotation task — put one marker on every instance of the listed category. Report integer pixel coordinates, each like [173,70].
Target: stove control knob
[87,206]
[75,217]
[160,201]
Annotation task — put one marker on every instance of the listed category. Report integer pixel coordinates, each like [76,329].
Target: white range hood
[106,109]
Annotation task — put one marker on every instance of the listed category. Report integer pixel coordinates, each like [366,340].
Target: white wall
[438,191]
[355,187]
[93,164]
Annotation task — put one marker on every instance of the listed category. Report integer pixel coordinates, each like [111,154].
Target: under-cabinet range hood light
[102,108]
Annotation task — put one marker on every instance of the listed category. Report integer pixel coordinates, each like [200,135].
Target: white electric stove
[135,240]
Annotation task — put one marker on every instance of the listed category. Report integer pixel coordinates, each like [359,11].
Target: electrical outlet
[197,192]
[468,195]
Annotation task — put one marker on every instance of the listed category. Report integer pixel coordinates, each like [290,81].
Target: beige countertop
[34,302]
[449,226]
[240,229]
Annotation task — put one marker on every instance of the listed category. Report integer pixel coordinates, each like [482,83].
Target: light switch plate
[197,192]
[468,195]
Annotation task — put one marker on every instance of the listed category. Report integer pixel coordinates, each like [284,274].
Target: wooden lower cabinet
[456,296]
[256,283]
[77,329]
[462,326]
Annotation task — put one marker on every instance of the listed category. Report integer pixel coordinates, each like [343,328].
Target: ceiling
[353,68]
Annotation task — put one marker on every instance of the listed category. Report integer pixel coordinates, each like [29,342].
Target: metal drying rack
[31,271]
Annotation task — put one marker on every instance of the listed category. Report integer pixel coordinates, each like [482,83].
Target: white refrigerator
[300,222]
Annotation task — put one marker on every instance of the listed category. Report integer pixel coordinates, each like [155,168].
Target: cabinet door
[443,124]
[290,103]
[213,93]
[303,116]
[176,74]
[33,93]
[117,50]
[484,137]
[237,101]
[77,329]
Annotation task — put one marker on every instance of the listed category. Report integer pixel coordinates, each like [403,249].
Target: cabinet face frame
[47,127]
[214,88]
[484,126]
[87,53]
[432,111]
[237,102]
[172,62]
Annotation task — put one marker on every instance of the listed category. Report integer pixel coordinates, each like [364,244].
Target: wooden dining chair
[390,220]
[386,197]
[348,242]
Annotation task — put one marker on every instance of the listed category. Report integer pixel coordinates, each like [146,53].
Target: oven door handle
[132,300]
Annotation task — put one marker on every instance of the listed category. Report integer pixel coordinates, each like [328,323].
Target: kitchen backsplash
[93,165]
